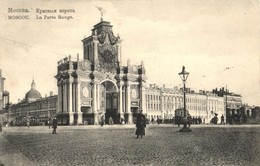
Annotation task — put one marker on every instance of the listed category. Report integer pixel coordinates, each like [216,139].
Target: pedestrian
[54,125]
[222,119]
[178,120]
[158,120]
[189,119]
[28,122]
[140,125]
[49,123]
[102,120]
[199,119]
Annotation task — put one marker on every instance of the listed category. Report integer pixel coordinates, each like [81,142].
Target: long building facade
[39,110]
[161,102]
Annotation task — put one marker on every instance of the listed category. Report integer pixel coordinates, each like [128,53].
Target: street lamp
[184,75]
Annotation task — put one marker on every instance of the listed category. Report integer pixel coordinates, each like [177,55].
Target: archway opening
[109,102]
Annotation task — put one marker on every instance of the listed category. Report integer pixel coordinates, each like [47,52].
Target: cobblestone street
[116,145]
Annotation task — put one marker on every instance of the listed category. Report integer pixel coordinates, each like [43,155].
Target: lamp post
[184,75]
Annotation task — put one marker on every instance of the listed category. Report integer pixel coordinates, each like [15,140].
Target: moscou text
[40,14]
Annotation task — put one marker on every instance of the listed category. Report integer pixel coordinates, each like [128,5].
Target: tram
[179,116]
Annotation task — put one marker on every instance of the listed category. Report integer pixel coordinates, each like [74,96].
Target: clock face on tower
[85,92]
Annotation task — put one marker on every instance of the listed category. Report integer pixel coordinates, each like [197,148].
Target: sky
[206,36]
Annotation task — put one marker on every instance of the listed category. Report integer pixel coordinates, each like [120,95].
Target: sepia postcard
[135,82]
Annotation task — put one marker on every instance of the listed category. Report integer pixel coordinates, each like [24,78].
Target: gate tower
[99,85]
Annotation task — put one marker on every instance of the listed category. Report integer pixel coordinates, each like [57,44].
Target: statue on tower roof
[102,11]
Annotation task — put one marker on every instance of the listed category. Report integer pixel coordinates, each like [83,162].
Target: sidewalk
[46,129]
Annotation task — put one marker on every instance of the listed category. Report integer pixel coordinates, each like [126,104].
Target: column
[120,100]
[143,99]
[128,104]
[59,109]
[71,114]
[64,86]
[73,97]
[98,97]
[78,102]
[94,103]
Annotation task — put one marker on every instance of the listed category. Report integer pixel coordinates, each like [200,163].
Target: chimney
[51,93]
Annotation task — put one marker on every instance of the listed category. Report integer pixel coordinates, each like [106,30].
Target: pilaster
[128,104]
[71,118]
[59,109]
[143,101]
[69,84]
[120,100]
[64,97]
[98,97]
[94,102]
[78,102]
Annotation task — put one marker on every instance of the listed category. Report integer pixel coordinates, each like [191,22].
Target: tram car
[179,116]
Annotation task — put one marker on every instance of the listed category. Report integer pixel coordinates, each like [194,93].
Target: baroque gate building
[99,85]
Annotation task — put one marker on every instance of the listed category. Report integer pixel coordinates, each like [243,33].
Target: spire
[33,85]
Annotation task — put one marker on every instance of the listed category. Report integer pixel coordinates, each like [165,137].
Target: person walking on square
[222,119]
[158,120]
[28,122]
[54,125]
[189,119]
[102,120]
[140,125]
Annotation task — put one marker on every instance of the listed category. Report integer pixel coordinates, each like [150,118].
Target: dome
[33,94]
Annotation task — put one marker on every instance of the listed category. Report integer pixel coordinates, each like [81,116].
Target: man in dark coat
[189,119]
[222,119]
[54,125]
[140,125]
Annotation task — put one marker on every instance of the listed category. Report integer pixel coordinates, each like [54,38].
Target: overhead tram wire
[31,46]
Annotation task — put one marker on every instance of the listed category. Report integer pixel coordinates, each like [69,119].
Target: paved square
[115,145]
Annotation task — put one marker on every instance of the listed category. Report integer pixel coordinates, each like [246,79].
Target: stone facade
[33,106]
[4,98]
[161,102]
[99,85]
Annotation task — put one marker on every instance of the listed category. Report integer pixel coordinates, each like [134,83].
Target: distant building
[162,102]
[33,106]
[4,98]
[232,101]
